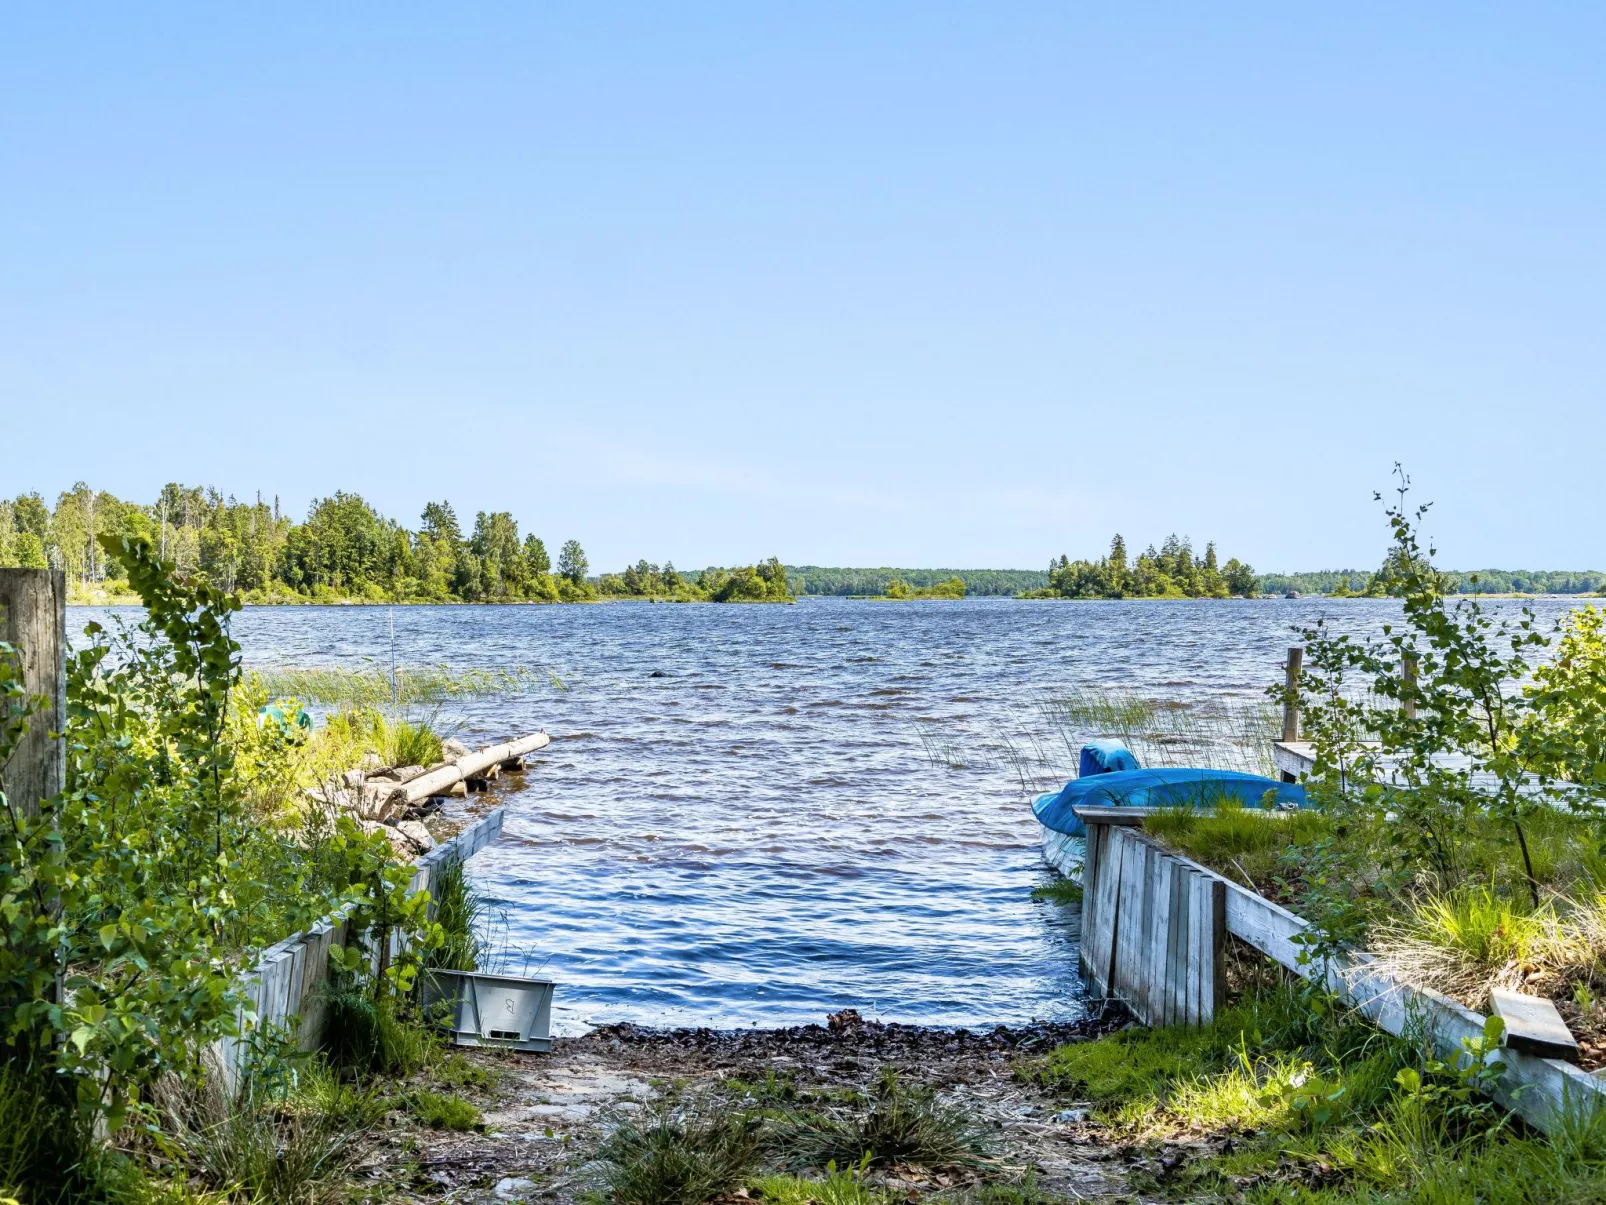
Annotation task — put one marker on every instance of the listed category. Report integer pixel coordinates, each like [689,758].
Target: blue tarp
[1105,757]
[1156,789]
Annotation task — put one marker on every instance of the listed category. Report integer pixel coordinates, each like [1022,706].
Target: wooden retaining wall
[288,979]
[1131,952]
[1153,928]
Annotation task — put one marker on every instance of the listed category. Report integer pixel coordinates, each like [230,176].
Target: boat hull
[1063,852]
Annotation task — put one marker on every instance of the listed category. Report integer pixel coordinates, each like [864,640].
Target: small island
[900,591]
[1171,572]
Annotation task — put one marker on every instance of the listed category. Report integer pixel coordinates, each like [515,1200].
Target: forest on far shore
[346,551]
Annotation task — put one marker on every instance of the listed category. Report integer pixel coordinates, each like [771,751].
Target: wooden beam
[1533,1025]
[33,617]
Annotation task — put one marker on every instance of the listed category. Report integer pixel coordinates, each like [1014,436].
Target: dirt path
[545,1113]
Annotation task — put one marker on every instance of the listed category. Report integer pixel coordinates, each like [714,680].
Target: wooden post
[1409,666]
[1296,659]
[33,617]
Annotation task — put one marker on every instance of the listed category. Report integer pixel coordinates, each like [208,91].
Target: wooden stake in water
[1296,660]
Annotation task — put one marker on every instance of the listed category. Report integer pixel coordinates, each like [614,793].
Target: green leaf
[81,1036]
[108,936]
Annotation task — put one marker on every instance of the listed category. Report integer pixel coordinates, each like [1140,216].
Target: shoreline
[544,1115]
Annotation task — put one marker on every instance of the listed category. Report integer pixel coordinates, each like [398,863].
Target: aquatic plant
[371,687]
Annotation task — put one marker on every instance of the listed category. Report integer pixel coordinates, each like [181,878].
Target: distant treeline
[344,551]
[816,579]
[1489,581]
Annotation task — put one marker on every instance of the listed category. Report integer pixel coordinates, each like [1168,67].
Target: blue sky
[856,284]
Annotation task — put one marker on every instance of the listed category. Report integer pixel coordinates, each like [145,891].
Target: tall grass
[1468,941]
[1218,734]
[371,686]
[1042,750]
[460,911]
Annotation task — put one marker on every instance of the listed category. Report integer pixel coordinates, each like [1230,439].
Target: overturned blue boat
[1110,777]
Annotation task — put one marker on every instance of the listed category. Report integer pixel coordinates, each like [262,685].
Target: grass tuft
[1467,942]
[458,1071]
[442,1110]
[458,909]
[341,1102]
[259,1153]
[899,1123]
[685,1153]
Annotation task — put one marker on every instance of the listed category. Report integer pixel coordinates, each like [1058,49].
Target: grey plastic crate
[492,1010]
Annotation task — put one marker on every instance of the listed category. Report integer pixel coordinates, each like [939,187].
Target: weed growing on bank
[897,1122]
[682,1153]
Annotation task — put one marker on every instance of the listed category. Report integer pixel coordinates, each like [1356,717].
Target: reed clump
[372,686]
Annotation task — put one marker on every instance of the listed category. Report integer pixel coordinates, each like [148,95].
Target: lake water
[739,822]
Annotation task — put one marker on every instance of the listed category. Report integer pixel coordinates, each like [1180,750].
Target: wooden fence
[1154,936]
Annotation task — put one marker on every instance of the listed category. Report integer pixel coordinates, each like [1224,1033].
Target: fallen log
[471,765]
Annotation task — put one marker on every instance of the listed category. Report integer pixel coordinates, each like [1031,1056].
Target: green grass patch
[1323,1108]
[1246,844]
[344,1103]
[458,1071]
[442,1110]
[838,1187]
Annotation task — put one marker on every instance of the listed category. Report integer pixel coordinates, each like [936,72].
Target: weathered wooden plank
[1109,908]
[1533,1025]
[1092,861]
[1176,971]
[1195,945]
[1129,929]
[33,617]
[1213,995]
[1159,935]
